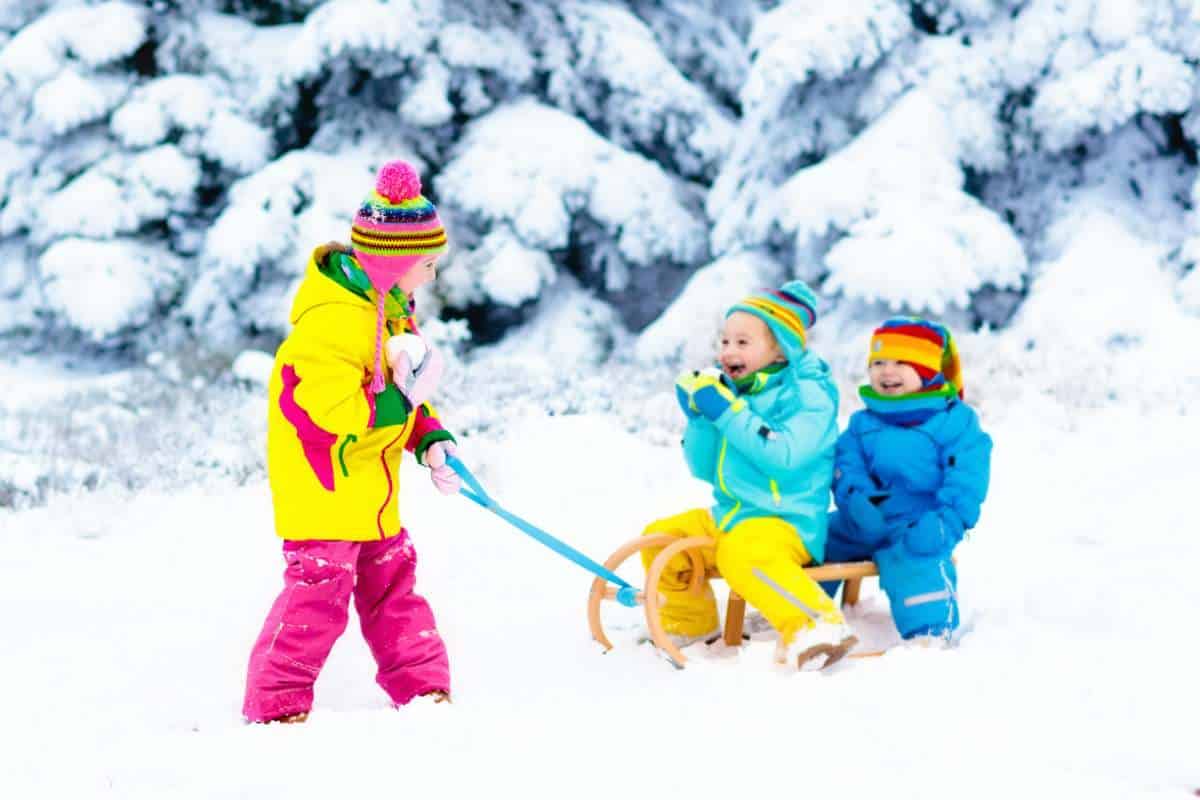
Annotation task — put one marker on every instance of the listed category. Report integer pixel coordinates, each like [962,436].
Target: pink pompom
[398,181]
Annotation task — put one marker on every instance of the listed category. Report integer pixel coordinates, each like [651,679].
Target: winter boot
[433,698]
[817,647]
[927,641]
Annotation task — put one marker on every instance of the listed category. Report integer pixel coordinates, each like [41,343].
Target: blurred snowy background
[613,174]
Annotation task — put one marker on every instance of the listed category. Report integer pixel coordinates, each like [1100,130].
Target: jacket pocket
[341,453]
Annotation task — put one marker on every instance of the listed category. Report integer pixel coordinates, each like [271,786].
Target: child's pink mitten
[416,367]
[443,476]
[426,377]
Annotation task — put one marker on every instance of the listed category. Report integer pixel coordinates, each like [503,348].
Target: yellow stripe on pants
[761,559]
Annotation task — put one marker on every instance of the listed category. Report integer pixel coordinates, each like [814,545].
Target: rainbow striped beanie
[925,346]
[788,311]
[395,226]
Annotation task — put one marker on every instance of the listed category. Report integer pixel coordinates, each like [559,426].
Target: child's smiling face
[890,377]
[746,345]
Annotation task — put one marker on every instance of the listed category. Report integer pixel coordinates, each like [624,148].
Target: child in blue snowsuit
[911,473]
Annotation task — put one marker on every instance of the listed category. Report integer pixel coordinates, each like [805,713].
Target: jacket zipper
[405,432]
[737,504]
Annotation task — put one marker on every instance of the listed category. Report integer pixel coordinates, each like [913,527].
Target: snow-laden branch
[200,109]
[1140,77]
[118,195]
[249,63]
[964,80]
[496,49]
[104,287]
[87,35]
[647,101]
[535,168]
[369,28]
[800,40]
[70,100]
[1076,327]
[908,235]
[687,330]
[276,215]
[500,269]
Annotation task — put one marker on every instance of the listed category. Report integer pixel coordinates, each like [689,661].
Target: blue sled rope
[626,594]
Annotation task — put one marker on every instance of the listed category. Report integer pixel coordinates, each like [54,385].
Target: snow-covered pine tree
[902,155]
[108,162]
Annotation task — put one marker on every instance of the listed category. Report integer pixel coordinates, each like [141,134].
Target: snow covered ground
[129,619]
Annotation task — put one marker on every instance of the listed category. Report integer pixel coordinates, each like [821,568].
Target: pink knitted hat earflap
[395,227]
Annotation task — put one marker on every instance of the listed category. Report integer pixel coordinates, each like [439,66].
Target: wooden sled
[735,613]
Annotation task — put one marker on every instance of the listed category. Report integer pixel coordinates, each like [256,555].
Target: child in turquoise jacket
[761,429]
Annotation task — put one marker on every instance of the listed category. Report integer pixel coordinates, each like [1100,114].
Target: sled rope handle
[473,490]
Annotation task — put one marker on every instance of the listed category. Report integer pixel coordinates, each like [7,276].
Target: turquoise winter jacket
[774,456]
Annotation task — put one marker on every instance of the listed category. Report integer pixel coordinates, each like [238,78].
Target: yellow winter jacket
[334,447]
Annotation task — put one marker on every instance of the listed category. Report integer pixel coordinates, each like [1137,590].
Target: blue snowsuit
[932,476]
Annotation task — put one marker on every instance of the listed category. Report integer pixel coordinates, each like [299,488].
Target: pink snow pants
[312,612]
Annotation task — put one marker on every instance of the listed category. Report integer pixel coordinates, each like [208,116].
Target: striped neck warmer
[909,410]
[929,349]
[757,381]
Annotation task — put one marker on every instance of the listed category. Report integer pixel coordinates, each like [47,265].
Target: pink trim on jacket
[316,441]
[370,395]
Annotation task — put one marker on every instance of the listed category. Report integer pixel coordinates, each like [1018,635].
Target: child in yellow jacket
[336,430]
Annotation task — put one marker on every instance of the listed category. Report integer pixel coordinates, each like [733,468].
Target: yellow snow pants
[761,559]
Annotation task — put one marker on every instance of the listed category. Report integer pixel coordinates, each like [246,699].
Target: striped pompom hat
[925,346]
[789,312]
[395,227]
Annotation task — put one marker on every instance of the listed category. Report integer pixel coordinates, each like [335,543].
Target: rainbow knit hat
[788,311]
[925,346]
[395,227]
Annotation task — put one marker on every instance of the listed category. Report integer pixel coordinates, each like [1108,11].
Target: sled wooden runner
[652,601]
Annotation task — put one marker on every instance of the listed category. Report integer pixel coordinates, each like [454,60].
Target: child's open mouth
[735,370]
[891,387]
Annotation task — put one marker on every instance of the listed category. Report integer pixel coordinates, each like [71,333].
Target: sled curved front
[651,600]
[601,591]
[654,603]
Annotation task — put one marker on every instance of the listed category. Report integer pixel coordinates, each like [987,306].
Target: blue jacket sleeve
[850,473]
[700,443]
[966,465]
[784,444]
